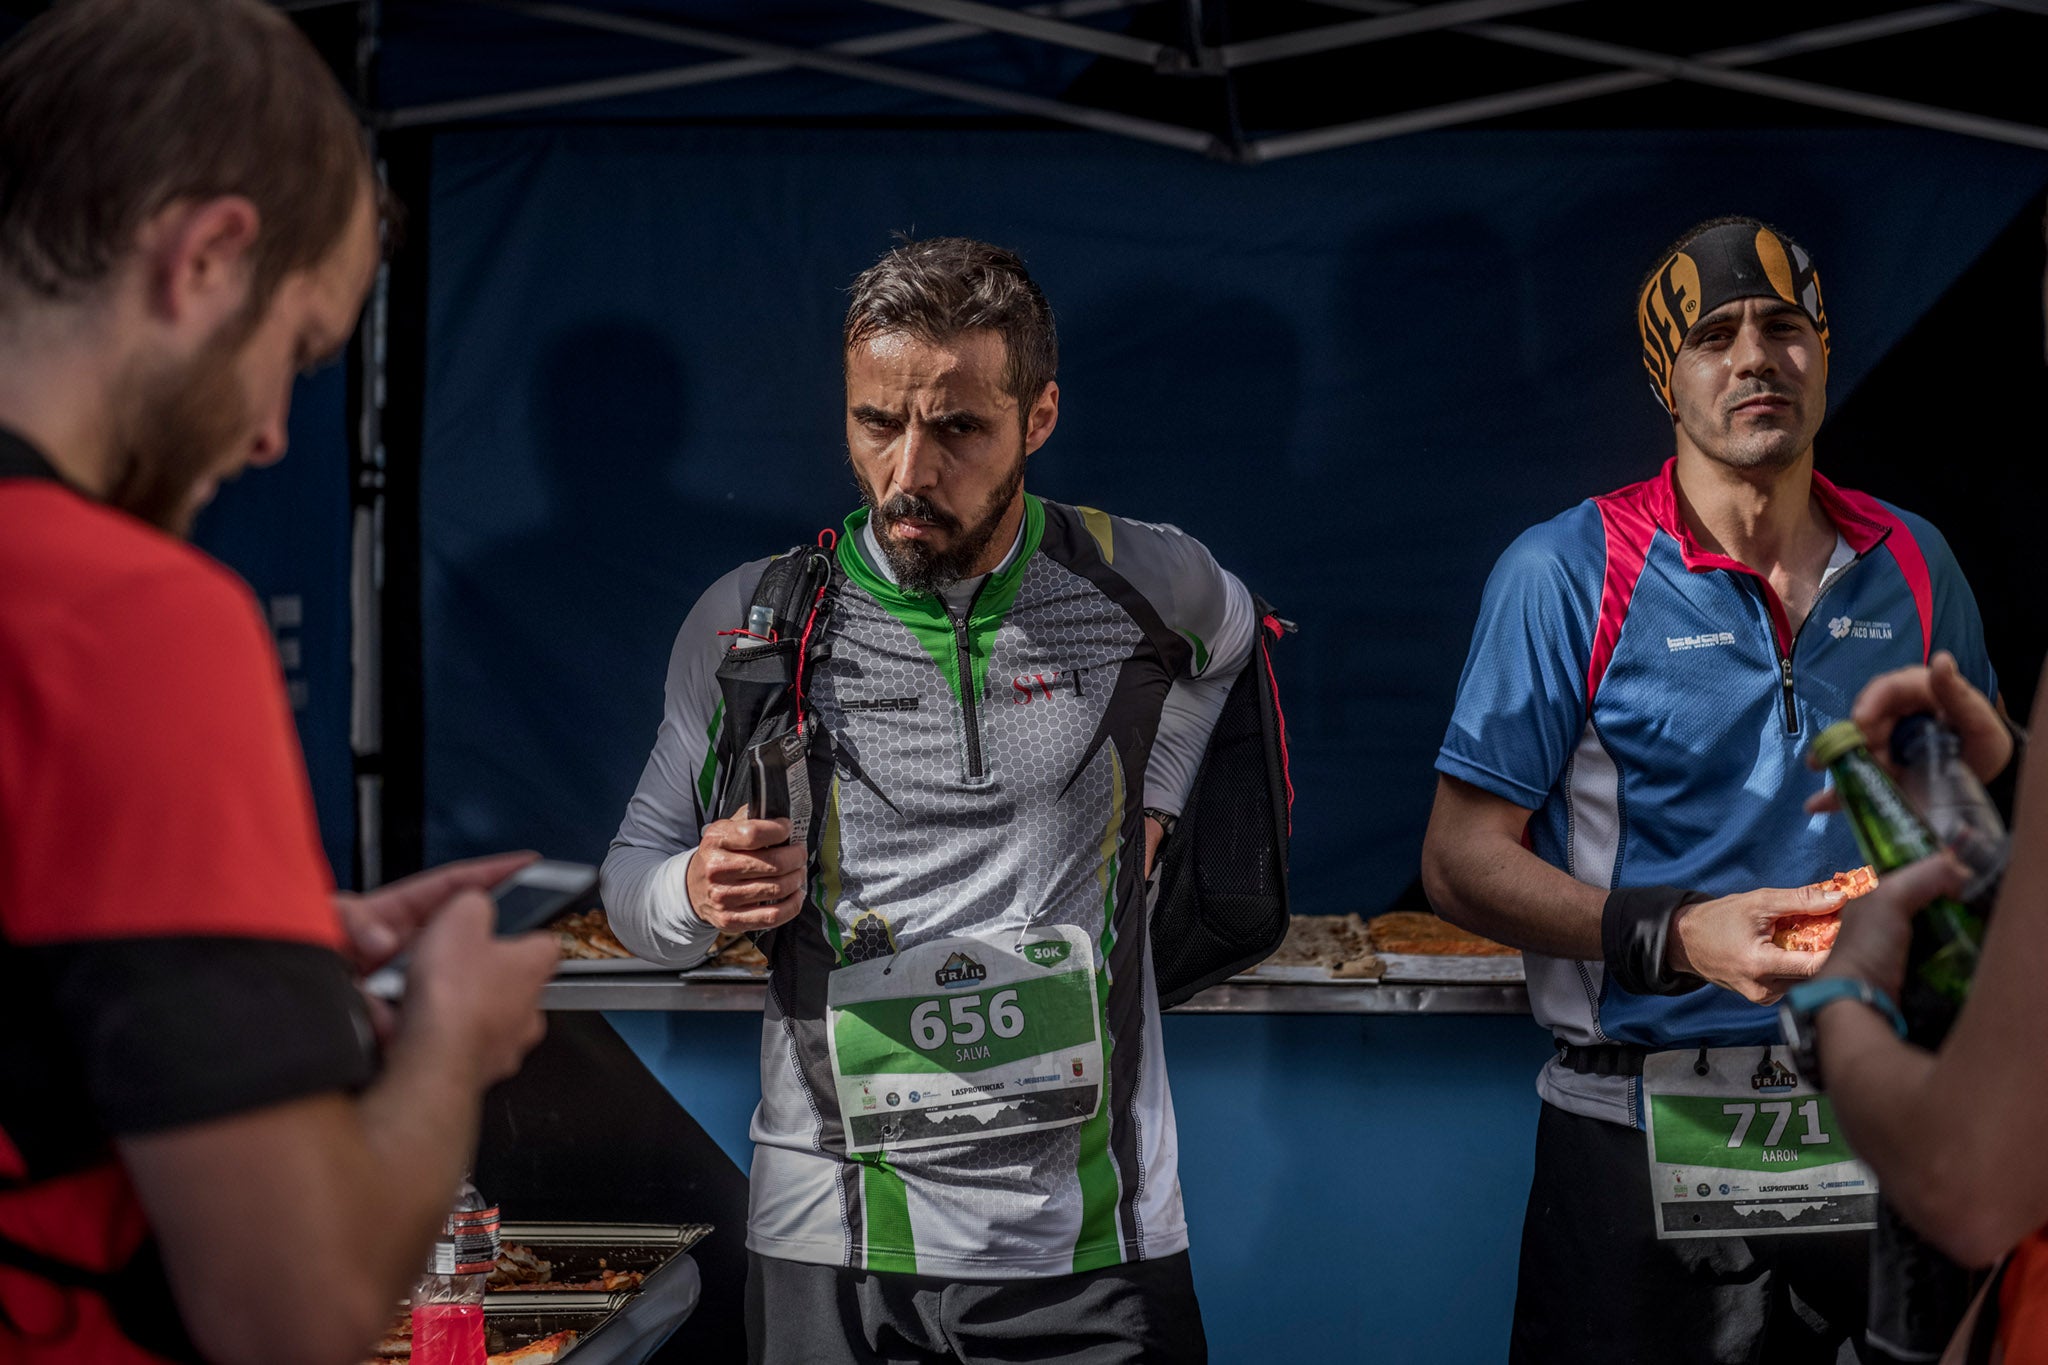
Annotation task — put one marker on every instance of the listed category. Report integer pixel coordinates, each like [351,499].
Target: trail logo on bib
[1773,1075]
[984,1052]
[1737,1120]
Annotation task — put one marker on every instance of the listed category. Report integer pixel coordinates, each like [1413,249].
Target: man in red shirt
[201,1154]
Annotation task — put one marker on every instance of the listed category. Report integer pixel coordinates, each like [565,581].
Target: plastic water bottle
[1953,802]
[448,1299]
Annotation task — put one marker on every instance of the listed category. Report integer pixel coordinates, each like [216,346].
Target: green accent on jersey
[878,1037]
[1693,1130]
[885,1204]
[1099,526]
[924,615]
[1096,1244]
[826,887]
[706,777]
[1201,651]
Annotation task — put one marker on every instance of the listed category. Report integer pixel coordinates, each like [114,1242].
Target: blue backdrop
[286,530]
[1356,376]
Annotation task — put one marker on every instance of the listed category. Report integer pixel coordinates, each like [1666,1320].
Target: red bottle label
[448,1334]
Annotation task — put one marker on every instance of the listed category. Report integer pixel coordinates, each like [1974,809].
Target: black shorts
[1596,1286]
[800,1314]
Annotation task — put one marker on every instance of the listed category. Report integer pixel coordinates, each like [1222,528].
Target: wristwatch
[1805,1001]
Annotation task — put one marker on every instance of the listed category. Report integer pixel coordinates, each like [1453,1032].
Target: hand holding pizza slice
[1816,933]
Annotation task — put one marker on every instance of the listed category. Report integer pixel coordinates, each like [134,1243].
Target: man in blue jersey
[1621,797]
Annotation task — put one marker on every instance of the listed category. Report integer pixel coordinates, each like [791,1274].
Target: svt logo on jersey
[1038,687]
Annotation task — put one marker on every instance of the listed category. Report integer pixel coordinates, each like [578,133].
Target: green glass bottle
[1947,933]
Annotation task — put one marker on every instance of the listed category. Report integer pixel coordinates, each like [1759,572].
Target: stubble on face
[1747,442]
[181,428]
[921,567]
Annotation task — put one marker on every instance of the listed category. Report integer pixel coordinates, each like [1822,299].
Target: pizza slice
[1419,932]
[1816,933]
[587,936]
[546,1351]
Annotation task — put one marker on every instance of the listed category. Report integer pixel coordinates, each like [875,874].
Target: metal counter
[663,991]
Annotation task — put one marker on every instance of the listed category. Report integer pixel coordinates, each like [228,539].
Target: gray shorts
[800,1314]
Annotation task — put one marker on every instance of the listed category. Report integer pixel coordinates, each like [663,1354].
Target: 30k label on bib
[966,1038]
[1748,1149]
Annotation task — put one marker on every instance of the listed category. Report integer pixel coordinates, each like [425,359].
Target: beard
[184,425]
[922,568]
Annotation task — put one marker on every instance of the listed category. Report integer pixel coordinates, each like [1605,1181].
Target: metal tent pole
[876,73]
[1418,19]
[366,533]
[1711,70]
[1058,32]
[1643,69]
[711,72]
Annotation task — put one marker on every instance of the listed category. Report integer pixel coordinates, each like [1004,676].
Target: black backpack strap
[761,681]
[1222,904]
[761,678]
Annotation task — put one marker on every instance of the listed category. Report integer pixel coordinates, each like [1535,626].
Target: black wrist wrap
[1635,926]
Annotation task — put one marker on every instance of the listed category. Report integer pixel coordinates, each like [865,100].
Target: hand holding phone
[527,899]
[542,891]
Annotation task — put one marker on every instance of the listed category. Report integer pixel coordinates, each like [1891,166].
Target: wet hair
[940,287]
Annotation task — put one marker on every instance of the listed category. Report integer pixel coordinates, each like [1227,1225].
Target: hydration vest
[1219,896]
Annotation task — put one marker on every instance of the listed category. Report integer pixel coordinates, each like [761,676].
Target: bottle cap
[1834,742]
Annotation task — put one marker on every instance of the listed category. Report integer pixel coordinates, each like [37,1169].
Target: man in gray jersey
[965,1145]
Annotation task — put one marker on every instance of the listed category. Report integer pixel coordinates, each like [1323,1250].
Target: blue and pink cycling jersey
[1648,701]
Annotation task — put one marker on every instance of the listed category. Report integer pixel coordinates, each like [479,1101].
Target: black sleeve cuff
[175,1031]
[1635,926]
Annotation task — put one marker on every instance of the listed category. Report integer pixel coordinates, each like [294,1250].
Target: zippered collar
[996,593]
[1864,533]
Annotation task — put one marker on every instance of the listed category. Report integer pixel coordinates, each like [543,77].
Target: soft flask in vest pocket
[760,679]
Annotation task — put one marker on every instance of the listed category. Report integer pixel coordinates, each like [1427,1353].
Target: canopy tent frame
[387,721]
[1055,24]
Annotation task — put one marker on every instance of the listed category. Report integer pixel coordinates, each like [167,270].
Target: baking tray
[1267,971]
[1498,970]
[508,1326]
[726,971]
[606,966]
[579,1251]
[1405,969]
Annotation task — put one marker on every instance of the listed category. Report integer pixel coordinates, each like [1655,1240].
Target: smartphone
[542,891]
[527,899]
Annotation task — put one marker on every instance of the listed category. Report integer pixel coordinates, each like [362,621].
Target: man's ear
[1044,416]
[200,259]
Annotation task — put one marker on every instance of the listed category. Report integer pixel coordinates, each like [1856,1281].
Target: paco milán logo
[960,970]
